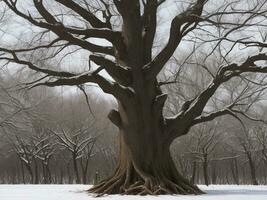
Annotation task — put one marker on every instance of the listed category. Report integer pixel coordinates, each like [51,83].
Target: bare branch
[177,32]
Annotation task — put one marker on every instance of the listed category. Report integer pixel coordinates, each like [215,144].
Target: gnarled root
[134,182]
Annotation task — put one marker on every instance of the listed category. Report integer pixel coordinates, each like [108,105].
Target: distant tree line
[47,142]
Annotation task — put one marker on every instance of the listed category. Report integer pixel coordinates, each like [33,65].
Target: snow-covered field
[77,192]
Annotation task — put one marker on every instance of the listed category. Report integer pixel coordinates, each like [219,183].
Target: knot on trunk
[115,118]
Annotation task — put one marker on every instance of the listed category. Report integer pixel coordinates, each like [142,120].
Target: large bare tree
[129,29]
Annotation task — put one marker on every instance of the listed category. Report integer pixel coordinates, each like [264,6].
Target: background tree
[249,147]
[261,137]
[202,146]
[80,144]
[129,28]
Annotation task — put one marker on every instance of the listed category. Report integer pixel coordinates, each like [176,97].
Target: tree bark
[145,170]
[145,163]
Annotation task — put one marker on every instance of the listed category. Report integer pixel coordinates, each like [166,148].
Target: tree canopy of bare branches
[118,37]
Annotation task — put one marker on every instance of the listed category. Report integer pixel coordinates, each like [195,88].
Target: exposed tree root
[149,172]
[131,182]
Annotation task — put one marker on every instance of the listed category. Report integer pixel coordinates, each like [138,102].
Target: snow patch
[78,192]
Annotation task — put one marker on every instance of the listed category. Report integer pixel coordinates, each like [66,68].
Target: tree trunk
[214,173]
[145,163]
[44,173]
[48,171]
[36,171]
[75,167]
[22,172]
[234,170]
[61,175]
[70,181]
[252,169]
[145,167]
[28,167]
[84,177]
[192,180]
[205,170]
[84,169]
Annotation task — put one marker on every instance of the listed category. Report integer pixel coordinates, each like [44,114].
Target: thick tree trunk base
[131,181]
[145,167]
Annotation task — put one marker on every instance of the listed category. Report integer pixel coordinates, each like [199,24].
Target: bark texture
[145,163]
[148,169]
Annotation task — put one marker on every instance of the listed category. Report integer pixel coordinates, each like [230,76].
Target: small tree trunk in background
[13,178]
[228,182]
[234,170]
[252,169]
[214,173]
[192,180]
[22,172]
[84,177]
[96,178]
[44,173]
[69,174]
[48,172]
[36,172]
[84,168]
[61,175]
[28,167]
[197,173]
[205,170]
[75,168]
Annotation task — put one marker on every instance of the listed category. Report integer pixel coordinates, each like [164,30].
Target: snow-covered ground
[78,192]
